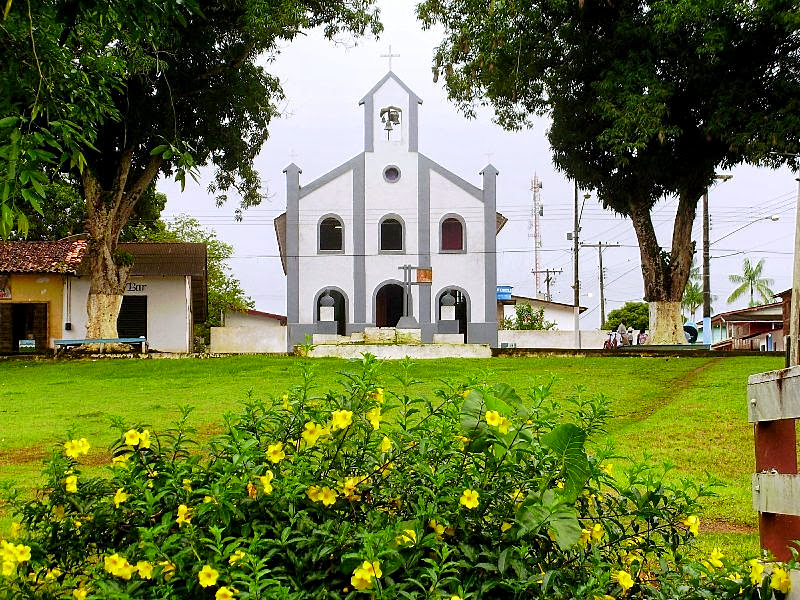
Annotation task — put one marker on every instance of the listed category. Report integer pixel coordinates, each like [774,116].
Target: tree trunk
[108,211]
[665,275]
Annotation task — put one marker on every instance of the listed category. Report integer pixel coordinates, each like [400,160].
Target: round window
[391,174]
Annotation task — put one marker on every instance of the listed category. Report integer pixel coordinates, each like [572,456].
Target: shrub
[359,492]
[527,318]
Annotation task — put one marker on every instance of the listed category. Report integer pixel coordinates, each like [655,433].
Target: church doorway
[462,311]
[389,305]
[339,312]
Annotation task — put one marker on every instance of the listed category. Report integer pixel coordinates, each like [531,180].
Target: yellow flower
[693,523]
[120,460]
[312,432]
[207,576]
[131,437]
[252,492]
[209,500]
[348,487]
[327,496]
[145,569]
[374,416]
[236,557]
[8,568]
[437,527]
[465,393]
[225,593]
[780,580]
[341,419]
[118,566]
[469,498]
[16,529]
[608,469]
[454,597]
[71,484]
[80,593]
[408,537]
[386,445]
[604,597]
[624,579]
[505,526]
[493,418]
[285,401]
[167,569]
[266,482]
[503,426]
[597,532]
[518,496]
[756,571]
[714,559]
[120,497]
[184,515]
[313,493]
[362,576]
[377,395]
[144,439]
[187,485]
[275,453]
[586,536]
[74,448]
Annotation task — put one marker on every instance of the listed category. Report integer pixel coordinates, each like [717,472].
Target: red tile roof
[42,257]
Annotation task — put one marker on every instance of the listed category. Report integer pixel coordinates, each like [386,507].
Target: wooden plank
[776,446]
[776,493]
[774,395]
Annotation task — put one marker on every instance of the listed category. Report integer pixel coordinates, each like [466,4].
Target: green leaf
[8,122]
[32,200]
[567,442]
[551,514]
[22,224]
[159,150]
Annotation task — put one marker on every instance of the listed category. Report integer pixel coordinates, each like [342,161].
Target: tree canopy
[647,98]
[117,93]
[752,283]
[630,314]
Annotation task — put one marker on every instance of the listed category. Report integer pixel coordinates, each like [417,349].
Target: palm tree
[692,298]
[751,280]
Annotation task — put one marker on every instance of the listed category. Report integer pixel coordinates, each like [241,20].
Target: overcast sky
[321,128]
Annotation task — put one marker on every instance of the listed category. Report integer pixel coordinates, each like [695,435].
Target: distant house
[563,315]
[752,328]
[249,331]
[44,287]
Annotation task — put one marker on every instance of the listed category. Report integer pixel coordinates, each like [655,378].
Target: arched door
[389,305]
[339,312]
[462,311]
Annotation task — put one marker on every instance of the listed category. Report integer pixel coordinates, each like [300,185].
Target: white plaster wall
[562,316]
[245,333]
[382,198]
[325,270]
[168,311]
[451,269]
[549,339]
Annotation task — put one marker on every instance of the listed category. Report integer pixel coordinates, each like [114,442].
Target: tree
[647,100]
[693,293]
[119,93]
[526,317]
[631,314]
[224,290]
[64,215]
[751,281]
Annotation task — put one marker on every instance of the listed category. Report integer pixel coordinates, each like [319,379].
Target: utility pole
[707,267]
[576,286]
[600,246]
[548,279]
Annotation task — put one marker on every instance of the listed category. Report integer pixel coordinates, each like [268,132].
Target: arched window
[330,234]
[391,235]
[452,234]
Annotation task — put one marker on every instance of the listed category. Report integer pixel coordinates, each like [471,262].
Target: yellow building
[32,278]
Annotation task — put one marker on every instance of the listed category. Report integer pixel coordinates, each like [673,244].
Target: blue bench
[141,341]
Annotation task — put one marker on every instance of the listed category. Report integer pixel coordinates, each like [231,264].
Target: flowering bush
[472,493]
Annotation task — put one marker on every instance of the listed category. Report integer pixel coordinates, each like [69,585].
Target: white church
[389,237]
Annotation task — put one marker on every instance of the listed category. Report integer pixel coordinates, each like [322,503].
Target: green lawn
[688,411]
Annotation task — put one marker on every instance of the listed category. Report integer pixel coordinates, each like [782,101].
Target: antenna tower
[536,212]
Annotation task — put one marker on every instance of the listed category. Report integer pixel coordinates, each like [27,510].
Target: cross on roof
[390,56]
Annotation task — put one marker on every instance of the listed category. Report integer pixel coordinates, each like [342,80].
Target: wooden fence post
[774,404]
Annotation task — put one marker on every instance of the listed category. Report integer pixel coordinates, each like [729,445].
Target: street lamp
[767,218]
[707,267]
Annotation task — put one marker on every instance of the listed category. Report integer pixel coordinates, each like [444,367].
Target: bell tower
[391,115]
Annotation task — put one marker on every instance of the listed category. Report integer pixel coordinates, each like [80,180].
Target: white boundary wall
[515,338]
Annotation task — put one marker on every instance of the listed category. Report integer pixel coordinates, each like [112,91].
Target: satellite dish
[690,331]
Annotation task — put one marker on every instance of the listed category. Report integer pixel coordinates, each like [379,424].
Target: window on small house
[330,234]
[452,234]
[391,234]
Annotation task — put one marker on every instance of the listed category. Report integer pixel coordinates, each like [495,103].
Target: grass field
[688,411]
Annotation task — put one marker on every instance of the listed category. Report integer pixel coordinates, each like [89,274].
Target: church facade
[346,237]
